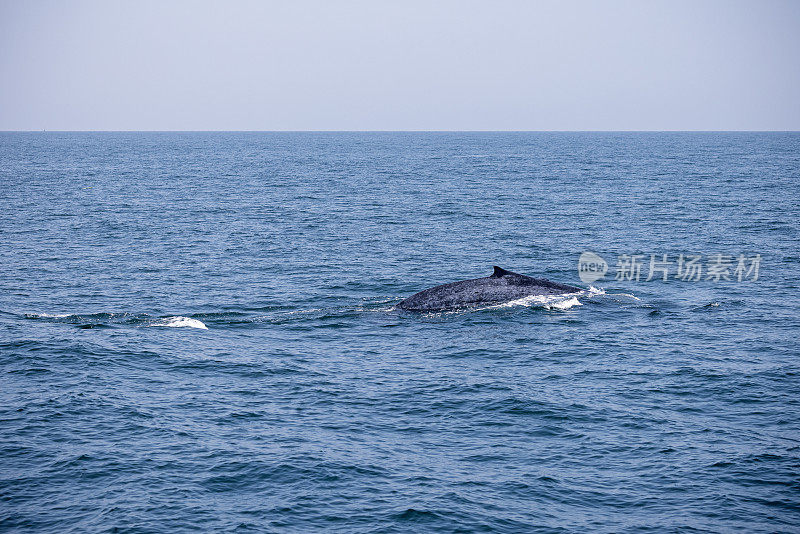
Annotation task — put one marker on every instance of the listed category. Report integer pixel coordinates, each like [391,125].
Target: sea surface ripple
[198,332]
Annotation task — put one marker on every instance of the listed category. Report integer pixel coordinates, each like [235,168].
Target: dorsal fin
[498,272]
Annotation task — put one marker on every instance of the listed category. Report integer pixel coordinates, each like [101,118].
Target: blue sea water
[198,332]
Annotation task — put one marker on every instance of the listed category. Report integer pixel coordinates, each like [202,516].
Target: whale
[501,286]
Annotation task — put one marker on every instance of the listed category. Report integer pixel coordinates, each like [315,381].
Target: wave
[181,322]
[558,302]
[108,320]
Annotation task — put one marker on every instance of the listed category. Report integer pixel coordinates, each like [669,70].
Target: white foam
[52,315]
[303,312]
[181,322]
[559,302]
[629,295]
[566,304]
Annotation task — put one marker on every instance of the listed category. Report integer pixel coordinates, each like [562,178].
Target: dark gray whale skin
[501,286]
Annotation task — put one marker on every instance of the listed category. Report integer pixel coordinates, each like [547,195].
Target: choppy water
[197,332]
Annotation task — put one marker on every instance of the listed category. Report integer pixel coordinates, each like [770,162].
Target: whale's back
[501,286]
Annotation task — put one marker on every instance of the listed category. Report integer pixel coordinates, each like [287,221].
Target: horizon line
[397,131]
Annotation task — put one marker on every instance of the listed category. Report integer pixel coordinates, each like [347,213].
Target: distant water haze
[412,65]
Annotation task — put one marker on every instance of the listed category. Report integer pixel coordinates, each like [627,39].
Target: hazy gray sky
[399,65]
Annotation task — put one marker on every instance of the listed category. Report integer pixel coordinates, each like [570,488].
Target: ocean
[198,332]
